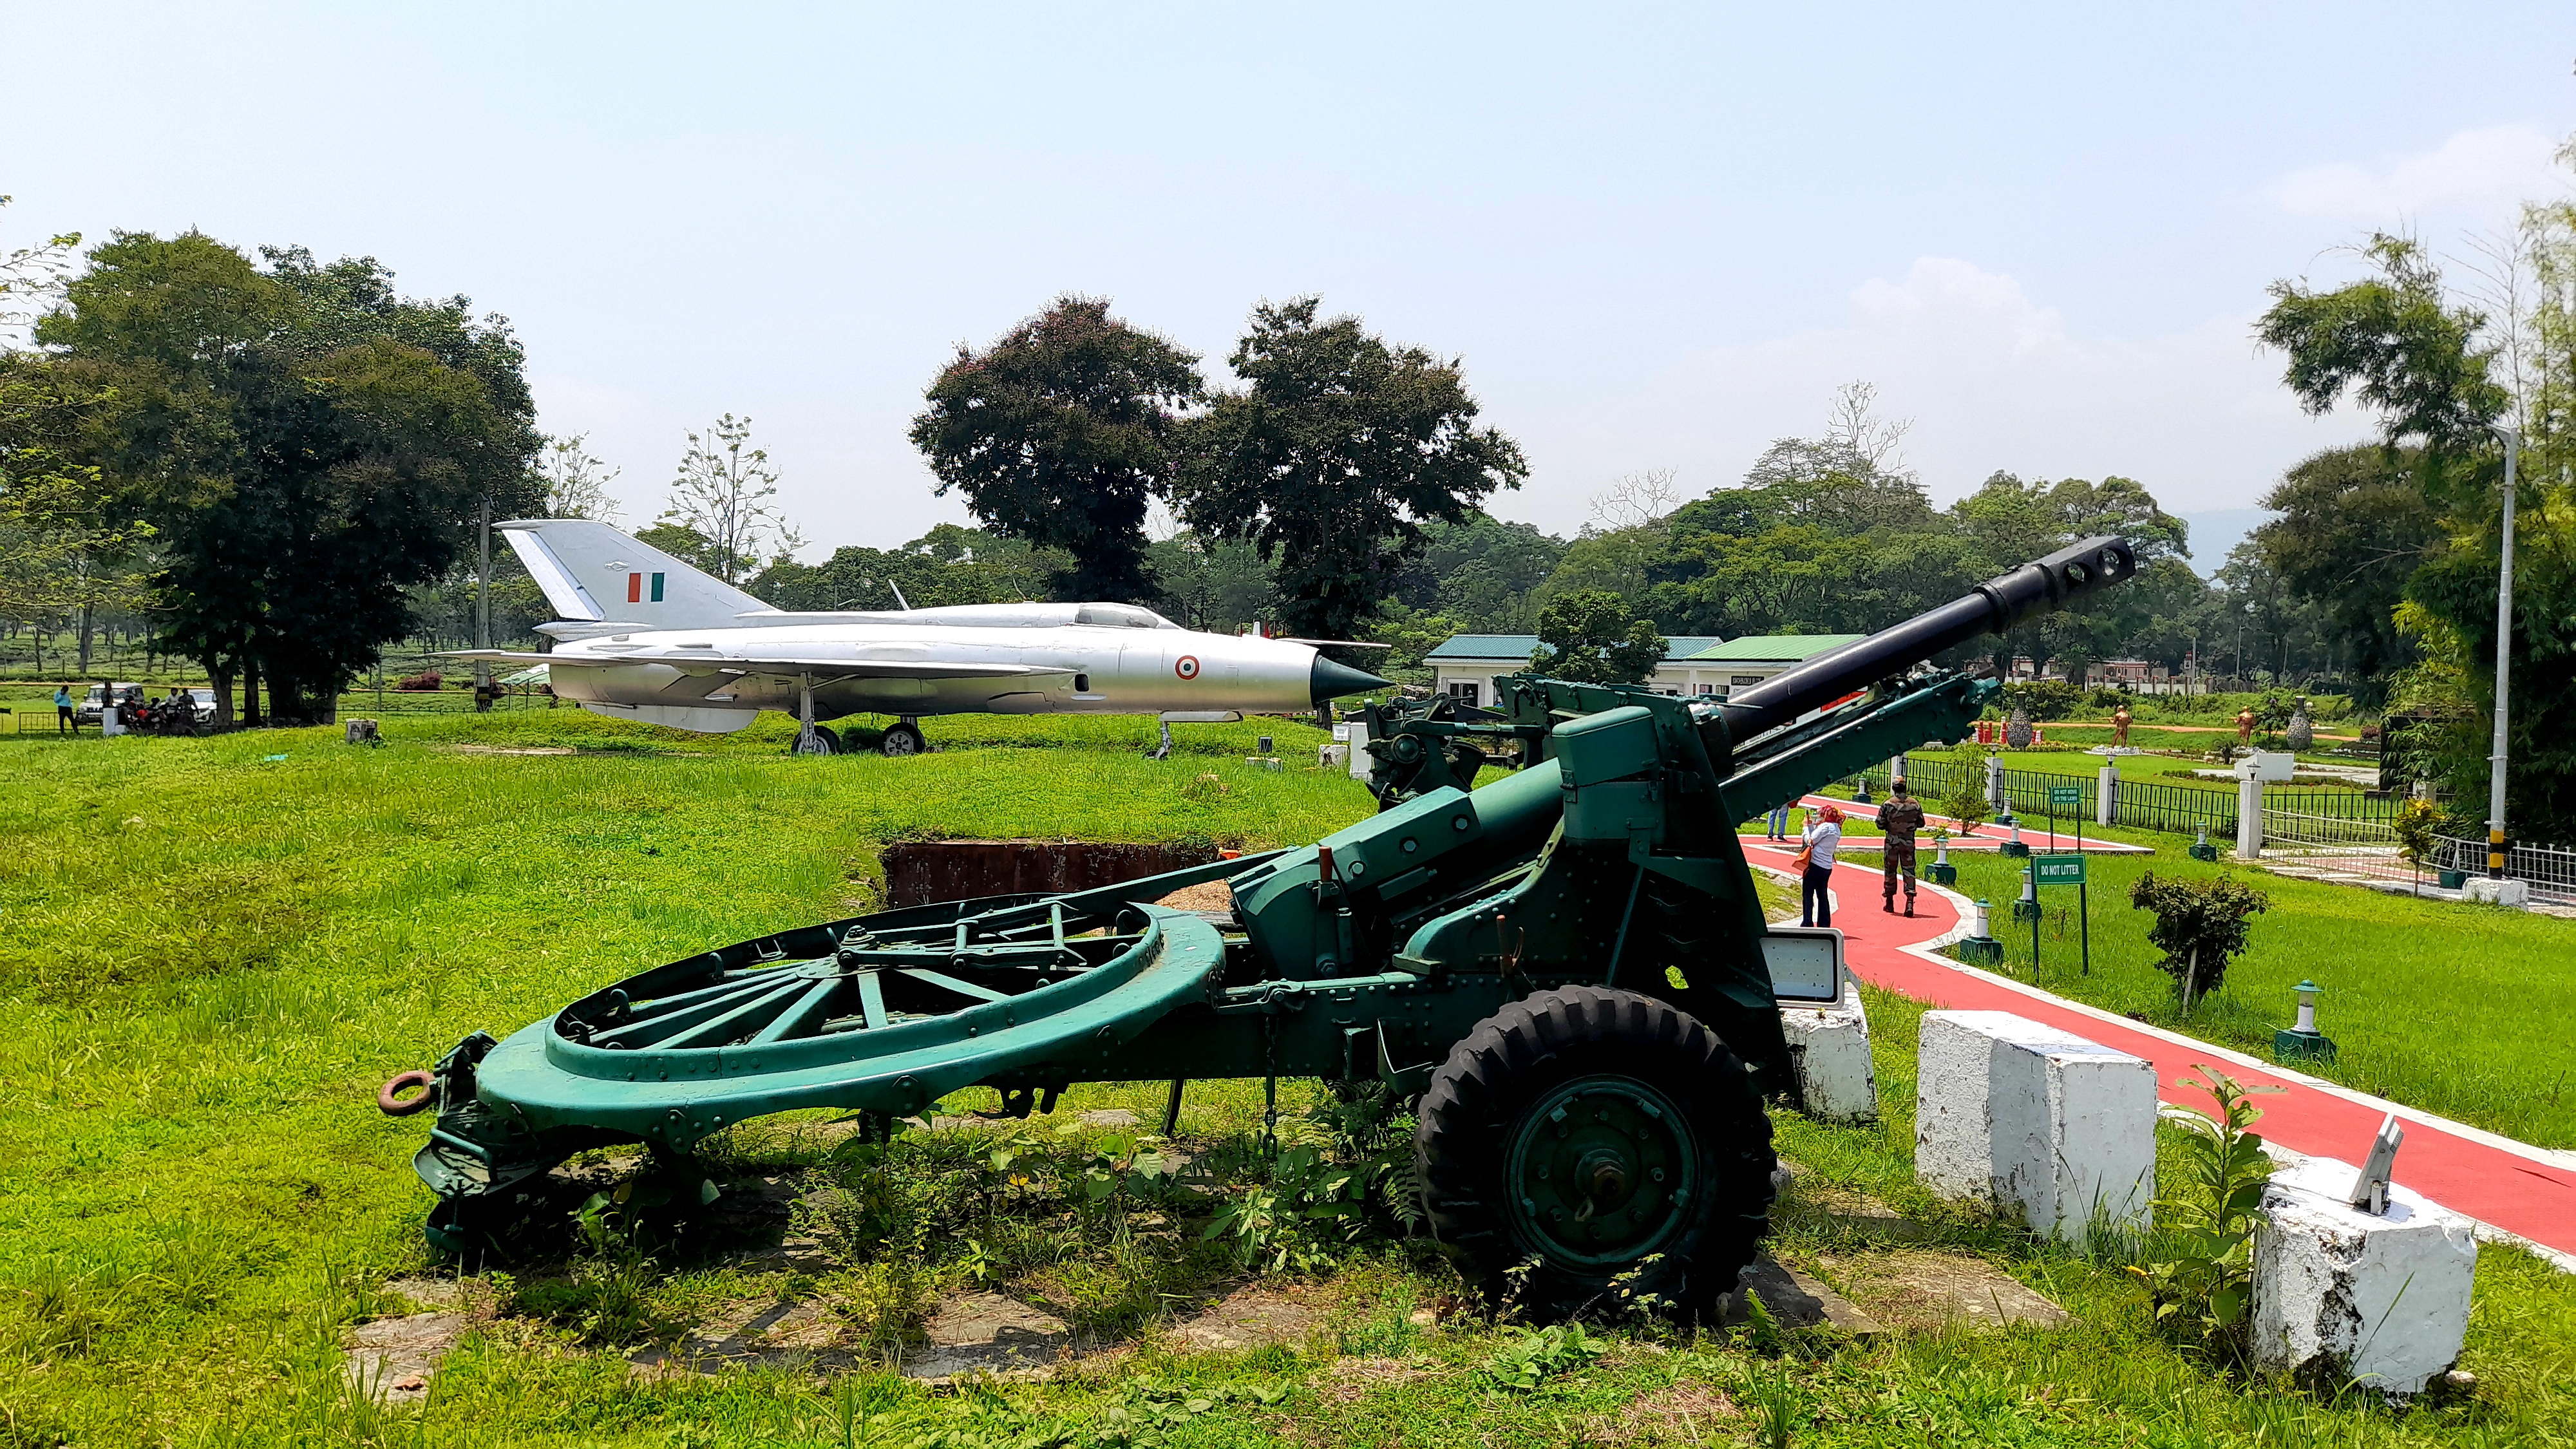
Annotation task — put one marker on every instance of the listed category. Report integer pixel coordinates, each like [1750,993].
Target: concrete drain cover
[987,1333]
[1922,1289]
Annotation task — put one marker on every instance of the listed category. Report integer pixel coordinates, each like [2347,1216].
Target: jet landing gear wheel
[903,739]
[821,740]
[1592,1135]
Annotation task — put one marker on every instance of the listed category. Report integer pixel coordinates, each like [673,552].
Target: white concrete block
[1332,757]
[2489,890]
[1360,761]
[1830,1045]
[2267,767]
[2018,1115]
[2342,1296]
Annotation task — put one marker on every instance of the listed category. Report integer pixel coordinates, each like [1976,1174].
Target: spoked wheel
[1607,1142]
[903,739]
[820,740]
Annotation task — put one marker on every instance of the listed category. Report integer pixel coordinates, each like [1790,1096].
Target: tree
[1205,583]
[1332,458]
[576,483]
[1060,434]
[307,444]
[1481,572]
[30,277]
[2438,373]
[2399,345]
[722,494]
[66,549]
[1590,637]
[2354,527]
[948,565]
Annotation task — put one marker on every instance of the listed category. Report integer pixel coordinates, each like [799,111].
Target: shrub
[2046,699]
[2200,924]
[2201,1269]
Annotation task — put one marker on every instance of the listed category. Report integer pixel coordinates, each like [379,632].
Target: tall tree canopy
[2355,525]
[306,442]
[2439,374]
[948,565]
[1332,457]
[1591,637]
[1059,434]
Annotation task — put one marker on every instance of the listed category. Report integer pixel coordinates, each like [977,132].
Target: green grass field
[214,956]
[2409,984]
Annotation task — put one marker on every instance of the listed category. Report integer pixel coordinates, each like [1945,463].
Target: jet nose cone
[1331,680]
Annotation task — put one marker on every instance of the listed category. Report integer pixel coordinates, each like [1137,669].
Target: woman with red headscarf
[1822,835]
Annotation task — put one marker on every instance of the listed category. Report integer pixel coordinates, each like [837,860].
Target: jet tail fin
[588,568]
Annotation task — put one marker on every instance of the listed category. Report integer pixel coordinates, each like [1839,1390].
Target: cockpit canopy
[1122,616]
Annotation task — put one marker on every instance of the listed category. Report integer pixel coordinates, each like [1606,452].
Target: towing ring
[393,1105]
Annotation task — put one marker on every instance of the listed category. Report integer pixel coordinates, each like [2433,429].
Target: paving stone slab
[1920,1289]
[985,1332]
[1251,1318]
[393,1358]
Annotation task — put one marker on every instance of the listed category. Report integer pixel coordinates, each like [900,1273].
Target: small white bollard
[2106,795]
[1830,1045]
[1359,750]
[2015,1114]
[1995,782]
[2345,1296]
[2249,818]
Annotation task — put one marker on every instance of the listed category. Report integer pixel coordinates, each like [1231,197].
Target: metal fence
[2318,815]
[2551,869]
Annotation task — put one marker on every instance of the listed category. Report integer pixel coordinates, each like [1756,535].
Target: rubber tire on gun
[1620,1106]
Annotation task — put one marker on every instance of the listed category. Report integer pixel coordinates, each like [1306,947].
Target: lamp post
[2504,662]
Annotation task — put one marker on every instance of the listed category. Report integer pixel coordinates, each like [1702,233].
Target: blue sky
[1658,236]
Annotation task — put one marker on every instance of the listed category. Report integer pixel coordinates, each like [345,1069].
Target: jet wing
[748,664]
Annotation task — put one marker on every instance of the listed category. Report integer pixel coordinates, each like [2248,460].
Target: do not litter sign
[2057,870]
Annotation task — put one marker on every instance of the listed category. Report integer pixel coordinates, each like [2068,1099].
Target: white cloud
[2491,170]
[1993,379]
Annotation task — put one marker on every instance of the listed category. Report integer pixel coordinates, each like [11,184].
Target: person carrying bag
[1816,866]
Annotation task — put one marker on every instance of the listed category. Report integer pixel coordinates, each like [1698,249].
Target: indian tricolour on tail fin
[594,574]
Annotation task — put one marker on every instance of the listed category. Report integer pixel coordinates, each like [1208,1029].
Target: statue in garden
[2017,730]
[2303,734]
[2120,728]
[2245,725]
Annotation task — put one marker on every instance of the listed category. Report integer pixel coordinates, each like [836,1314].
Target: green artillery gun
[1568,968]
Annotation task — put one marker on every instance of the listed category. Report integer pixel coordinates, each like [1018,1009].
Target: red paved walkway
[2506,1185]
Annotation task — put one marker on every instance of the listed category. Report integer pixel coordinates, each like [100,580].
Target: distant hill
[2215,532]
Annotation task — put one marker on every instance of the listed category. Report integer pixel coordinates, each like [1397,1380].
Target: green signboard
[2065,797]
[2057,870]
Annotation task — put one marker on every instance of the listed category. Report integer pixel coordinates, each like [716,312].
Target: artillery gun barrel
[1991,608]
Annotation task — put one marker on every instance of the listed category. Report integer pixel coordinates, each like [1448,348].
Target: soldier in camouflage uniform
[1900,817]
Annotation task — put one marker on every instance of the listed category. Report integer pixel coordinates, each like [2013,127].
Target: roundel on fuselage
[1187,666]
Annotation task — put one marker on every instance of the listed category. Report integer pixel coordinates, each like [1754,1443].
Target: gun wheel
[1598,1147]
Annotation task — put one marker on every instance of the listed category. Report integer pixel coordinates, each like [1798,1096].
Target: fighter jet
[646,637]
